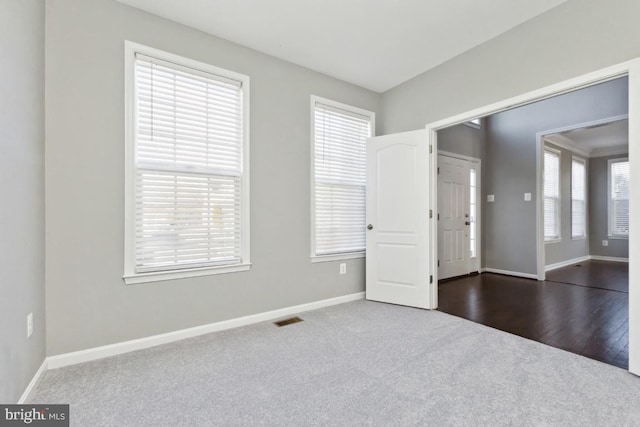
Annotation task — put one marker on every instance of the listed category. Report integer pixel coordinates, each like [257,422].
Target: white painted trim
[632,70]
[567,263]
[338,257]
[570,145]
[90,354]
[183,273]
[34,382]
[459,156]
[608,258]
[130,275]
[618,150]
[510,273]
[314,99]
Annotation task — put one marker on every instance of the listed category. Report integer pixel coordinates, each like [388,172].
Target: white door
[398,264]
[453,217]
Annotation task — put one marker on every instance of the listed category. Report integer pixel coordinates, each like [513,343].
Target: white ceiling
[376,44]
[602,140]
[604,136]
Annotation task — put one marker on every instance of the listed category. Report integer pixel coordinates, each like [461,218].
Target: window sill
[553,241]
[337,257]
[579,238]
[618,237]
[158,276]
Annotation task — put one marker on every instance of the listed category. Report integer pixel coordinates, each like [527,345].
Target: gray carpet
[360,363]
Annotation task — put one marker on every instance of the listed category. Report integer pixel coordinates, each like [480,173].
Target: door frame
[478,163]
[630,69]
[540,141]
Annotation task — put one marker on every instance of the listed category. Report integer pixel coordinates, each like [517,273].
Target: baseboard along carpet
[359,363]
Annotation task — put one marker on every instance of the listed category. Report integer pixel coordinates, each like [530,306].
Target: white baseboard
[566,263]
[509,273]
[34,381]
[609,258]
[90,354]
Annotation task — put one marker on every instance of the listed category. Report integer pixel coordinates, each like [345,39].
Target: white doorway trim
[540,141]
[630,68]
[478,163]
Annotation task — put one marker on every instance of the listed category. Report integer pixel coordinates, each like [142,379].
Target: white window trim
[317,99]
[586,198]
[471,124]
[558,213]
[610,235]
[130,275]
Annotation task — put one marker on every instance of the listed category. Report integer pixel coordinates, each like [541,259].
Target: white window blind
[578,198]
[551,194]
[188,167]
[619,198]
[339,179]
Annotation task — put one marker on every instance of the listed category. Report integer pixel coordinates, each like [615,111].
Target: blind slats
[551,193]
[578,199]
[340,179]
[619,210]
[189,136]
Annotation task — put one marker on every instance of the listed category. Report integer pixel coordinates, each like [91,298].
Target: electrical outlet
[605,243]
[527,197]
[491,198]
[29,325]
[343,268]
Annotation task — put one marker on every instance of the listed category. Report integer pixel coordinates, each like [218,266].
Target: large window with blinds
[578,198]
[619,198]
[551,193]
[338,184]
[187,156]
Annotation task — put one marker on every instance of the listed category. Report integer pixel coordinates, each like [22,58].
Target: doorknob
[369,227]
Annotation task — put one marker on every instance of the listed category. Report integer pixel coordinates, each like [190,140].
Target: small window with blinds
[619,198]
[578,198]
[551,193]
[339,135]
[188,181]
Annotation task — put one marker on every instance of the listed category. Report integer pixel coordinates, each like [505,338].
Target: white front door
[454,218]
[398,177]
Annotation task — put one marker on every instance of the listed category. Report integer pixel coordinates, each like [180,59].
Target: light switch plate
[527,197]
[491,198]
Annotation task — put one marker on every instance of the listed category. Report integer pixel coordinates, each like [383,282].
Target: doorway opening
[536,314]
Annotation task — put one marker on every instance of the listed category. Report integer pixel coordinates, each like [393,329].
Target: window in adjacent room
[578,198]
[187,176]
[339,135]
[619,198]
[551,194]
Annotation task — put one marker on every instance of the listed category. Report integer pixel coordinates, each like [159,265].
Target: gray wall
[88,305]
[510,222]
[22,193]
[462,139]
[575,38]
[567,248]
[598,210]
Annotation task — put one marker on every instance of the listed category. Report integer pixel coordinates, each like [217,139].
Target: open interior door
[398,249]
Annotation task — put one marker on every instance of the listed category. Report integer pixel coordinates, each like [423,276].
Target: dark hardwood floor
[589,317]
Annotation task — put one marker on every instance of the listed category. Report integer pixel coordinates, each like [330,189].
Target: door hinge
[438,263]
[438,170]
[431,279]
[430,213]
[430,149]
[438,217]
